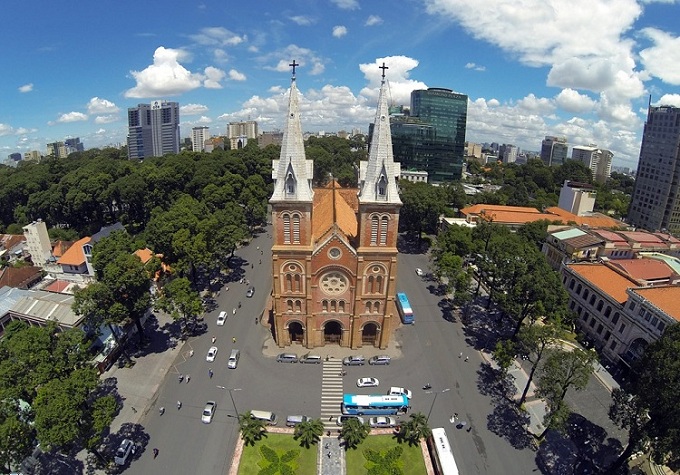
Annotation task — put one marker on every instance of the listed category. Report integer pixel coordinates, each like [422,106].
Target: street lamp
[231,396]
[437,393]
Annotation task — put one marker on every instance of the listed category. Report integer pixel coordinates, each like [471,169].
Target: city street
[427,352]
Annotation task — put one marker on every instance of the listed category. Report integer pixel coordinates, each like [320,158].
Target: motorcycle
[427,386]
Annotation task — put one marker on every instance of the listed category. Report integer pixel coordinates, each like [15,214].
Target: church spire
[292,172]
[378,175]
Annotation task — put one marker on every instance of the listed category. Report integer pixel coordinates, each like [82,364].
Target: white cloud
[193,109]
[234,75]
[669,100]
[6,129]
[72,117]
[574,102]
[373,20]
[302,20]
[204,120]
[106,119]
[166,76]
[26,87]
[346,4]
[339,31]
[475,66]
[398,72]
[536,105]
[663,59]
[213,76]
[101,106]
[218,36]
[306,58]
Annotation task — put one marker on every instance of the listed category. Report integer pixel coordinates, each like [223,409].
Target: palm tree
[309,432]
[354,432]
[415,428]
[251,429]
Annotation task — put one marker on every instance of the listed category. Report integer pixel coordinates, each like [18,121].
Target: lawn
[411,459]
[305,463]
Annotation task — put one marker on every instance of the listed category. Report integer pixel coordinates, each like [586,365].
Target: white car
[341,419]
[394,391]
[367,382]
[382,421]
[208,412]
[123,451]
[221,318]
[212,353]
[419,271]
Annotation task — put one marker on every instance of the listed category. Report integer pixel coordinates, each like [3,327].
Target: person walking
[233,339]
[210,372]
[214,338]
[460,355]
[179,405]
[155,452]
[467,358]
[188,378]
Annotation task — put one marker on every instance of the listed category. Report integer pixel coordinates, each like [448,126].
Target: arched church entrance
[332,332]
[296,332]
[636,349]
[369,334]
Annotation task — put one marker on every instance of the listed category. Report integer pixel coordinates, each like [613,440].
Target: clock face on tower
[334,253]
[333,283]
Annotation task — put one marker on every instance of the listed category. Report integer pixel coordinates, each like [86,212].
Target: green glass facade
[432,138]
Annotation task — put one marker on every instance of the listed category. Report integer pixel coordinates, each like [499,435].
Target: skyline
[584,69]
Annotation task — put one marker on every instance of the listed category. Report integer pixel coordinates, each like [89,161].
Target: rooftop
[605,278]
[74,255]
[665,298]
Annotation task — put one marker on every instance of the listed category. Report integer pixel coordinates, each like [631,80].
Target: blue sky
[583,69]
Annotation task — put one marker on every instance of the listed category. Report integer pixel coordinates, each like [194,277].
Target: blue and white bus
[374,404]
[404,308]
[441,454]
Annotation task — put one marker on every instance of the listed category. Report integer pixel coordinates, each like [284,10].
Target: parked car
[382,421]
[341,419]
[354,360]
[311,359]
[208,412]
[287,358]
[292,421]
[367,382]
[123,452]
[221,318]
[395,391]
[250,292]
[212,353]
[379,360]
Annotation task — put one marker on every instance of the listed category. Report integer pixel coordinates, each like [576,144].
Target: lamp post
[231,396]
[434,399]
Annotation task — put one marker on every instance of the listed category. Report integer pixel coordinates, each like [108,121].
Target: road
[429,350]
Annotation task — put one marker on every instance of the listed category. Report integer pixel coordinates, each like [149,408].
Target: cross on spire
[383,67]
[293,64]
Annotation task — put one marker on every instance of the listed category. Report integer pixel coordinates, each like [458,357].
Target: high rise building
[153,129]
[598,160]
[73,145]
[508,153]
[33,156]
[15,157]
[335,249]
[554,150]
[198,137]
[38,242]
[432,136]
[57,150]
[655,204]
[242,129]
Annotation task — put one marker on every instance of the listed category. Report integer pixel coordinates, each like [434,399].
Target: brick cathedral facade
[335,249]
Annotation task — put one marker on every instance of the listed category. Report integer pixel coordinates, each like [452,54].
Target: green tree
[649,409]
[16,435]
[308,432]
[251,429]
[562,370]
[504,354]
[415,429]
[423,205]
[353,432]
[180,301]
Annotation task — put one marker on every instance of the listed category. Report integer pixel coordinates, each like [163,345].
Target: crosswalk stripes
[331,392]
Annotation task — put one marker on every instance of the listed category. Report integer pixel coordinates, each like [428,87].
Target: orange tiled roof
[594,221]
[74,255]
[334,205]
[60,247]
[506,214]
[665,298]
[144,255]
[8,241]
[605,278]
[19,277]
[644,269]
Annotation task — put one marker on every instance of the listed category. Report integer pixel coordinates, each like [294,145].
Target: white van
[233,359]
[268,417]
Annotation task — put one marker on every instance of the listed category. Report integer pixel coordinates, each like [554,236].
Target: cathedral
[335,249]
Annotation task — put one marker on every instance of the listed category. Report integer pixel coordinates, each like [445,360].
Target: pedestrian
[214,338]
[210,373]
[233,312]
[191,353]
[161,410]
[155,452]
[469,428]
[260,261]
[328,455]
[330,418]
[255,320]
[188,378]
[262,253]
[179,405]
[233,339]
[455,415]
[460,355]
[467,358]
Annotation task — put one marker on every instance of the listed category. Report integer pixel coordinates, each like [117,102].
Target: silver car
[123,451]
[287,358]
[382,421]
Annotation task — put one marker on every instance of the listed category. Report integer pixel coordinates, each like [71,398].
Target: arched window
[578,289]
[571,284]
[289,304]
[324,305]
[607,311]
[298,306]
[341,306]
[376,307]
[368,307]
[374,230]
[369,285]
[586,292]
[296,229]
[290,184]
[383,230]
[298,283]
[289,283]
[600,304]
[378,284]
[334,306]
[286,228]
[382,187]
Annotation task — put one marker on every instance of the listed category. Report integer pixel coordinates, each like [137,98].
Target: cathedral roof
[335,205]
